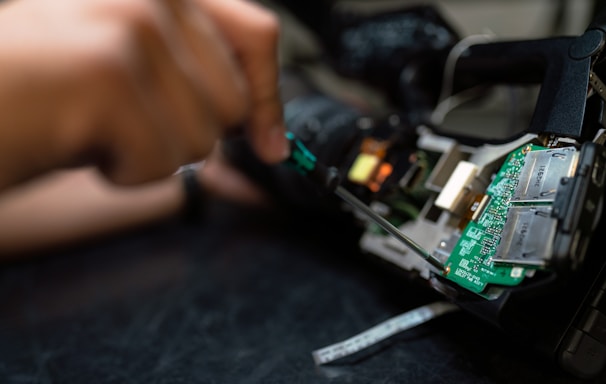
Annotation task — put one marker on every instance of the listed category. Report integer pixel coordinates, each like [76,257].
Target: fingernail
[279,143]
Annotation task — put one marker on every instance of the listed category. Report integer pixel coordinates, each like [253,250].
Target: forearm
[70,206]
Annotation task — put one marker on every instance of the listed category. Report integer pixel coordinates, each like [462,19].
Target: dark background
[243,296]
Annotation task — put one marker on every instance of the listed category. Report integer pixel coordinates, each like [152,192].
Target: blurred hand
[137,87]
[219,178]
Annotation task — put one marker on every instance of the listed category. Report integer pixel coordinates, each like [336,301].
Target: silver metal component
[409,178]
[531,264]
[382,331]
[446,246]
[442,171]
[478,209]
[386,225]
[541,174]
[427,230]
[527,237]
[597,85]
[600,137]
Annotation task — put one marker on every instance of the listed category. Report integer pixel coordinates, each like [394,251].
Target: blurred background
[518,18]
[504,110]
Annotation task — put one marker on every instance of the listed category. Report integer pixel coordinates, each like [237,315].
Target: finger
[211,64]
[253,35]
[176,91]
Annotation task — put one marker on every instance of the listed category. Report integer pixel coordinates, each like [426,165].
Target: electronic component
[470,262]
[455,194]
[527,237]
[541,174]
[387,226]
[306,164]
[369,169]
[478,206]
[362,169]
[511,228]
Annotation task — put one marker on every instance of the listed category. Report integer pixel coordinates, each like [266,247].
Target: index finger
[253,34]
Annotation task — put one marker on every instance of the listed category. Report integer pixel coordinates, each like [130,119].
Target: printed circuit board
[512,228]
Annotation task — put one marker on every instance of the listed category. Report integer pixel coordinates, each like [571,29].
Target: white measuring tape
[382,331]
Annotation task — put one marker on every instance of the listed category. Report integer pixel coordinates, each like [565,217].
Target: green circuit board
[470,263]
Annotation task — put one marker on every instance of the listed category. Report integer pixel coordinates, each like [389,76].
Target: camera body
[515,220]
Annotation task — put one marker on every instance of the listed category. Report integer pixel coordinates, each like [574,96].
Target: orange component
[374,147]
[383,173]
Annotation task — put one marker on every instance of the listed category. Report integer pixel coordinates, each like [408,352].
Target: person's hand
[137,87]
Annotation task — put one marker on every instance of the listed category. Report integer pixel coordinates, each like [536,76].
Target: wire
[382,331]
[447,101]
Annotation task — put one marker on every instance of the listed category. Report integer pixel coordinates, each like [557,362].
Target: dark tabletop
[244,296]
